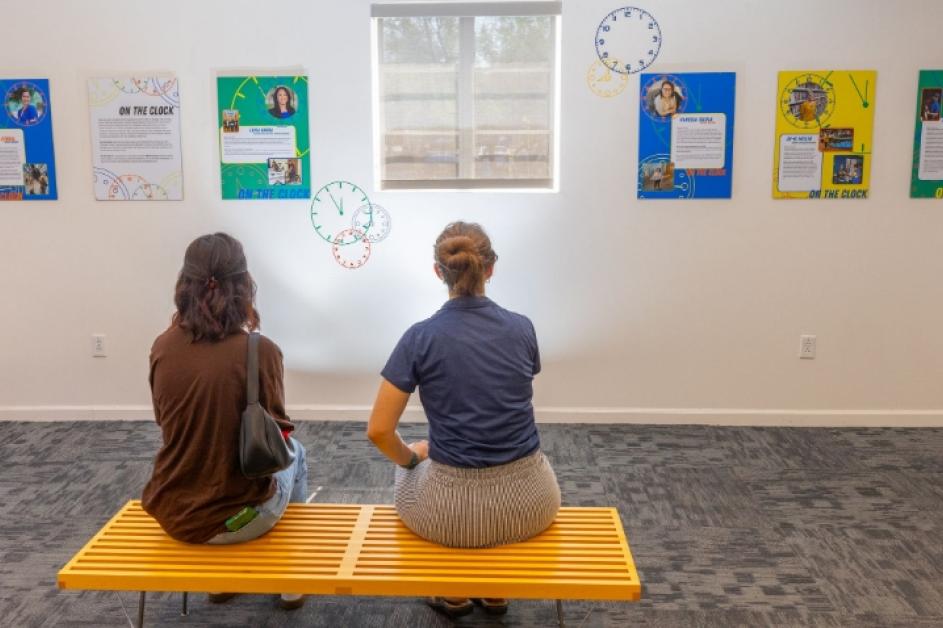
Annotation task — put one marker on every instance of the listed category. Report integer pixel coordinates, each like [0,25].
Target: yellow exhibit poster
[824,134]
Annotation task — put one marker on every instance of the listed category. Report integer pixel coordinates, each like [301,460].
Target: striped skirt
[478,507]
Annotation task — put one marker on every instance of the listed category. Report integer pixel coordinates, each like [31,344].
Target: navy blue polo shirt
[474,363]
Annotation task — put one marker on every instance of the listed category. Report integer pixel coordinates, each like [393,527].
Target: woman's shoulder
[516,317]
[169,337]
[268,347]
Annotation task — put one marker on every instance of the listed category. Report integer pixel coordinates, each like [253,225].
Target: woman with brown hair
[481,480]
[197,492]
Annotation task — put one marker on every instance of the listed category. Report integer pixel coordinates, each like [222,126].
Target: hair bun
[463,254]
[457,252]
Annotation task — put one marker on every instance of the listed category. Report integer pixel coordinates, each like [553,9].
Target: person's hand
[421,448]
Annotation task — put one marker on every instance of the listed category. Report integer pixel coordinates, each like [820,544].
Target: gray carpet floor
[728,526]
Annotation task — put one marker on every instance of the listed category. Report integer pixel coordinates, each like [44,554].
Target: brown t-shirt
[199,393]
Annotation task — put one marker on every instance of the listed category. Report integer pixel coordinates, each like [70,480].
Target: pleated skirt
[478,507]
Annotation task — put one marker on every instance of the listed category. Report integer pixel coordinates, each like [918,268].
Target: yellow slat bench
[347,549]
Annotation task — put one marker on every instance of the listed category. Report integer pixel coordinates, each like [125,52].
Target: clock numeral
[602,41]
[651,53]
[605,28]
[628,66]
[655,38]
[605,55]
[627,14]
[651,26]
[641,62]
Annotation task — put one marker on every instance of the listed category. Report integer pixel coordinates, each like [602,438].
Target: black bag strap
[252,369]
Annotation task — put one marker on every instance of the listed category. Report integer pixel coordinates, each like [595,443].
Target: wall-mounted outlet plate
[98,346]
[807,347]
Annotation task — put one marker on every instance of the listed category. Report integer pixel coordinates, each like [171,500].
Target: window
[466,94]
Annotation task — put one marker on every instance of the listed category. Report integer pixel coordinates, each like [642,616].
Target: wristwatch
[413,461]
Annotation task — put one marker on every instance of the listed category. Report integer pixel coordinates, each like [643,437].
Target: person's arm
[272,384]
[381,430]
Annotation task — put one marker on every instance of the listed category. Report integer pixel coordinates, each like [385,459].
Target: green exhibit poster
[264,150]
[926,179]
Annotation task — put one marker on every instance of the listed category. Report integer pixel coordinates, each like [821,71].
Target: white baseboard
[649,416]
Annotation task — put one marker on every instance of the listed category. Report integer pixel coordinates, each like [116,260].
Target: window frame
[466,12]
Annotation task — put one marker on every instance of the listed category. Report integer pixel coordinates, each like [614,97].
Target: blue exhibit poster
[685,147]
[27,159]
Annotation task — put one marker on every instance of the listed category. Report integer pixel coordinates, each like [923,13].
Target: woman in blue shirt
[27,113]
[481,479]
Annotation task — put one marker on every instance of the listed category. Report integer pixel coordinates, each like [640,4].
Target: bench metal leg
[141,609]
[184,611]
[560,613]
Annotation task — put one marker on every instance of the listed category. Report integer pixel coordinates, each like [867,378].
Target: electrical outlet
[807,347]
[98,346]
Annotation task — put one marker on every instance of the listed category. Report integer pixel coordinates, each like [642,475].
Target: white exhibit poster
[135,125]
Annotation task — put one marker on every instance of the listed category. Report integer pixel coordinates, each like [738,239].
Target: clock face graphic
[628,40]
[664,96]
[356,253]
[149,192]
[101,92]
[332,210]
[155,85]
[808,101]
[604,82]
[128,85]
[244,176]
[105,181]
[373,220]
[14,103]
[658,178]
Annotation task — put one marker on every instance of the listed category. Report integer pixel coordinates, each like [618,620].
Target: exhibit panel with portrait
[27,157]
[686,123]
[824,134]
[263,137]
[926,180]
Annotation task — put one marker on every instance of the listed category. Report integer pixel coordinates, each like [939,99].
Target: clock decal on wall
[602,81]
[628,40]
[357,253]
[808,101]
[332,209]
[373,220]
[346,219]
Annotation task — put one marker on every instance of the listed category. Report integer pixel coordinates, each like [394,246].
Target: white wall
[645,311]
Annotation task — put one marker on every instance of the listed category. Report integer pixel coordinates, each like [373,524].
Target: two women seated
[479,481]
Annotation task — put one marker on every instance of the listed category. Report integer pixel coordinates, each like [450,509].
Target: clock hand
[340,207]
[864,99]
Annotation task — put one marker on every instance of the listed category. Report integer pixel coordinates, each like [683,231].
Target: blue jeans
[291,485]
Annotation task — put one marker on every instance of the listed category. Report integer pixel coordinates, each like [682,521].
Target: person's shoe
[291,601]
[451,608]
[492,606]
[219,598]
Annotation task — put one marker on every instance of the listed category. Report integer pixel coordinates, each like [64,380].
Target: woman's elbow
[376,434]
